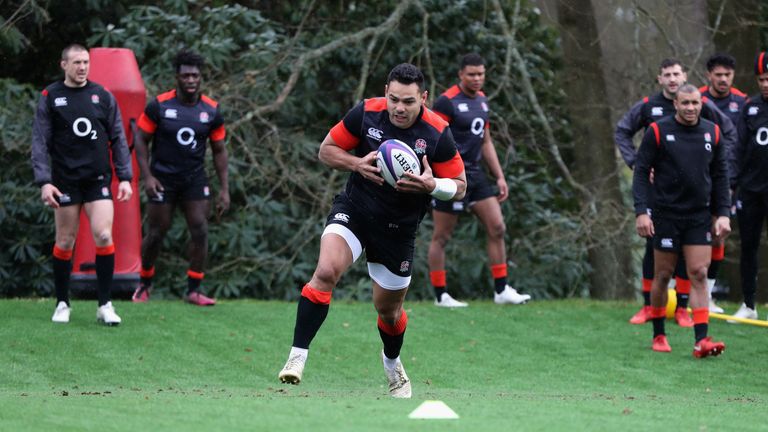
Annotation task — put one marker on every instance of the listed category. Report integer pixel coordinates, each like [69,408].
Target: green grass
[560,365]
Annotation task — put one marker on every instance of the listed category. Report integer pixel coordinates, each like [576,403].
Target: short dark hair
[406,73]
[721,59]
[471,59]
[687,89]
[188,58]
[71,47]
[669,62]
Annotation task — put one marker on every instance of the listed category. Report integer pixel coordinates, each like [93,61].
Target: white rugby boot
[106,315]
[61,314]
[510,296]
[294,367]
[399,383]
[744,312]
[447,301]
[713,307]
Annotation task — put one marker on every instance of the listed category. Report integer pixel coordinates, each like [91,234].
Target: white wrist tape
[445,189]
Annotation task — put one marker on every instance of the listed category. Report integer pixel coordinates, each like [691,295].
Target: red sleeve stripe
[646,99]
[376,104]
[738,92]
[162,97]
[45,92]
[717,134]
[703,88]
[434,120]
[209,101]
[443,116]
[146,124]
[452,92]
[147,273]
[656,132]
[218,134]
[449,169]
[342,137]
[704,99]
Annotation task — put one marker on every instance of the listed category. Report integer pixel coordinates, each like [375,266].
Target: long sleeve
[41,141]
[641,184]
[626,129]
[718,172]
[729,137]
[121,155]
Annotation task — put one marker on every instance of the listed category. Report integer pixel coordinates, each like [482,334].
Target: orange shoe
[660,344]
[682,318]
[642,316]
[706,348]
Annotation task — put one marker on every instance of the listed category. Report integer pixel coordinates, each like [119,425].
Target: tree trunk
[595,163]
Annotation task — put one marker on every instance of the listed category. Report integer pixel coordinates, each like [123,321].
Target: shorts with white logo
[384,243]
[83,191]
[671,234]
[478,189]
[182,188]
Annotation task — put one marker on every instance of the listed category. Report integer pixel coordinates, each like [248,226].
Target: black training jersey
[468,120]
[689,166]
[752,151]
[654,108]
[75,126]
[181,132]
[729,105]
[364,128]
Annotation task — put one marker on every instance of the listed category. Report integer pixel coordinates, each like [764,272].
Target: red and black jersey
[181,132]
[752,151]
[689,166]
[364,128]
[76,126]
[729,105]
[468,119]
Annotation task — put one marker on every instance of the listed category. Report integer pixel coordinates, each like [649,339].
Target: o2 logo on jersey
[761,137]
[478,126]
[82,127]
[186,136]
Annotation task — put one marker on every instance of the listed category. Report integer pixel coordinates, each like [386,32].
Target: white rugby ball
[395,158]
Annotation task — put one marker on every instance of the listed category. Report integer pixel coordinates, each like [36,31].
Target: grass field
[559,365]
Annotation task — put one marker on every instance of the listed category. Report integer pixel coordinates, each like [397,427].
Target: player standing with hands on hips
[180,122]
[76,123]
[692,204]
[465,107]
[372,216]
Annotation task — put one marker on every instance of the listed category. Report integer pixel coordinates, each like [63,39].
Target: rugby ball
[395,158]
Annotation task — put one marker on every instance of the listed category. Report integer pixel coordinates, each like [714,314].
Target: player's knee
[65,241]
[103,237]
[326,276]
[390,314]
[199,233]
[496,230]
[664,275]
[698,273]
[441,239]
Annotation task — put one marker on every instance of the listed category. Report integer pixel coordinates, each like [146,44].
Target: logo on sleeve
[171,113]
[204,117]
[657,111]
[60,101]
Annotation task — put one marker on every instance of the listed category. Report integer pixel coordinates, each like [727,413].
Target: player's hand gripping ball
[395,158]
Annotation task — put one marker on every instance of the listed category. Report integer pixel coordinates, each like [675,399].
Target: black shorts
[192,187]
[478,189]
[384,243]
[83,191]
[671,234]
